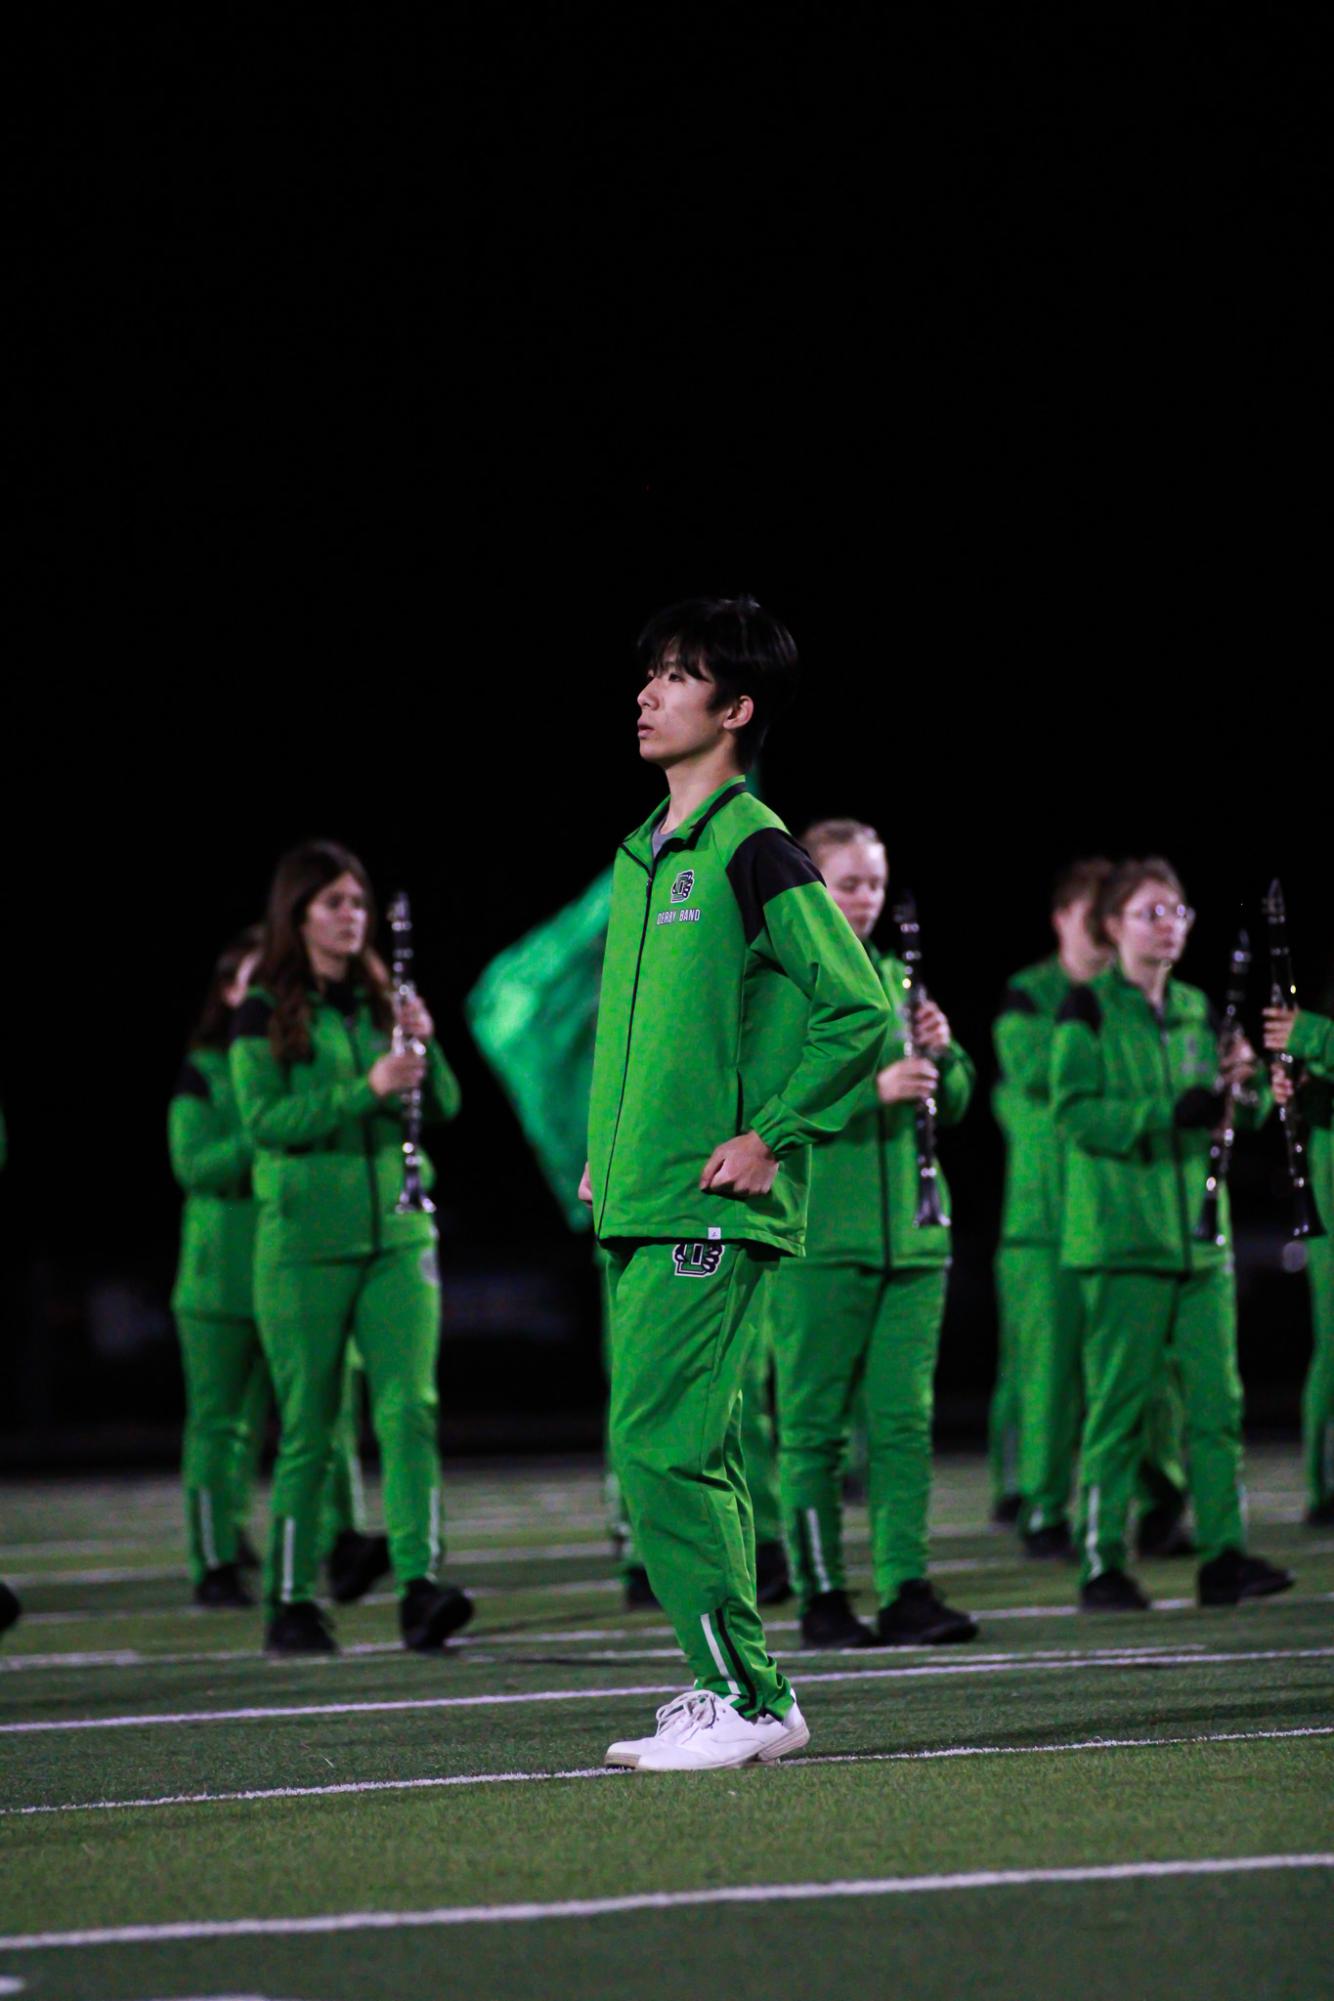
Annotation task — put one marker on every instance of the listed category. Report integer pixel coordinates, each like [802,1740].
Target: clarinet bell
[929,1212]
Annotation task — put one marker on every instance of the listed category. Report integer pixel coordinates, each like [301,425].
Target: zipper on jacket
[630,1025]
[1176,1141]
[367,1147]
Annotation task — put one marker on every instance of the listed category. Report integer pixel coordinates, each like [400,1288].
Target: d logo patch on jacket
[697,1260]
[683,885]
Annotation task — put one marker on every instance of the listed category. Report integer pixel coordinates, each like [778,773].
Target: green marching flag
[532,1014]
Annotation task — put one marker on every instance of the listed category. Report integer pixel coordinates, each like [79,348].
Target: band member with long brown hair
[318,1085]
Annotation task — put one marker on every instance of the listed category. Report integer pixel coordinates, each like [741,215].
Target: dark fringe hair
[285,970]
[823,835]
[1080,879]
[211,1029]
[745,649]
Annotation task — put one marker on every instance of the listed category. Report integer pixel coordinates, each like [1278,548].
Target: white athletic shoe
[673,1716]
[714,1738]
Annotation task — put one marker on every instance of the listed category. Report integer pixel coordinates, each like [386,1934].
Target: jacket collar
[639,845]
[1117,982]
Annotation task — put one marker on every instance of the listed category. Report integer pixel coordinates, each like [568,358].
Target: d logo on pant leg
[697,1260]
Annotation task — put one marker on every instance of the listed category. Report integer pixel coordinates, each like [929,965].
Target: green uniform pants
[221,1357]
[1133,1319]
[835,1328]
[307,1311]
[1042,1322]
[682,1327]
[1318,1395]
[1003,1418]
[254,1428]
[344,1504]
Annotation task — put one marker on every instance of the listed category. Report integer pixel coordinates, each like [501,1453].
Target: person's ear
[741,712]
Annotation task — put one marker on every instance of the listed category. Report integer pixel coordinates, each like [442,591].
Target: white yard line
[657,1900]
[936,1670]
[608,1771]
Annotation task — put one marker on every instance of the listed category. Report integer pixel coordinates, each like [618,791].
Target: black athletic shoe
[773,1586]
[221,1588]
[1231,1577]
[1112,1592]
[428,1613]
[1321,1515]
[9,1608]
[1161,1531]
[830,1623]
[638,1591]
[356,1562]
[300,1629]
[247,1556]
[1050,1545]
[917,1618]
[1007,1510]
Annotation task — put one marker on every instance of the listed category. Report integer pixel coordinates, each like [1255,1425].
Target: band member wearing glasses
[1138,1083]
[1037,1405]
[318,1088]
[1309,1037]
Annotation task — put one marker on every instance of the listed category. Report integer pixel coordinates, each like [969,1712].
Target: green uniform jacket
[329,1153]
[1123,1080]
[210,1157]
[1313,1042]
[1023,1033]
[864,1182]
[735,996]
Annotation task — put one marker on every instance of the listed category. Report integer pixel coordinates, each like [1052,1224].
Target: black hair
[745,649]
[1078,880]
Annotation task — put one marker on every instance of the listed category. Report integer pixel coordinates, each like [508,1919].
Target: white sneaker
[673,1716]
[713,1738]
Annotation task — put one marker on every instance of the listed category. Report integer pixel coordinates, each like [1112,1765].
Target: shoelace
[677,1707]
[703,1708]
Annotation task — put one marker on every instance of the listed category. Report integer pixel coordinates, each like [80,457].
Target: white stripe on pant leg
[358,1490]
[435,1530]
[289,1558]
[716,1651]
[1091,1538]
[206,1528]
[817,1548]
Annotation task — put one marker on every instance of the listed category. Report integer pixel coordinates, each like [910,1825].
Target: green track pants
[1133,1319]
[307,1312]
[1003,1414]
[683,1322]
[255,1413]
[344,1504]
[222,1361]
[1318,1395]
[758,1448]
[1041,1309]
[835,1328]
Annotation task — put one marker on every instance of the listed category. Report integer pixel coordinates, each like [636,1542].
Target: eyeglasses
[1153,913]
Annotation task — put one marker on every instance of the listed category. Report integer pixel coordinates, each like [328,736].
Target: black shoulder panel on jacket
[252,1017]
[1015,1001]
[191,1082]
[766,863]
[1081,1004]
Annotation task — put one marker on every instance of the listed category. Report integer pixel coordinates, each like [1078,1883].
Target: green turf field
[446,1827]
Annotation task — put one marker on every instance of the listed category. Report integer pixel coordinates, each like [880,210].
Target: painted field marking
[481,1652]
[610,1771]
[1008,1664]
[657,1900]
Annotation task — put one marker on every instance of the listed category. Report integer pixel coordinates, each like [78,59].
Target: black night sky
[376,374]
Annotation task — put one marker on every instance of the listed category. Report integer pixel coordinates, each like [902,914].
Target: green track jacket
[210,1157]
[1313,1041]
[735,996]
[864,1181]
[1023,1033]
[1132,1098]
[328,1153]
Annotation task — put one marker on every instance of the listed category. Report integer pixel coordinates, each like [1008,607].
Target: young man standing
[739,1021]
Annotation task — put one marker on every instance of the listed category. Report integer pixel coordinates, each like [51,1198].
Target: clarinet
[414,1200]
[1283,993]
[1220,1147]
[929,1210]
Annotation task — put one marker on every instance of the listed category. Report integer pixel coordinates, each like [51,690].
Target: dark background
[374,377]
